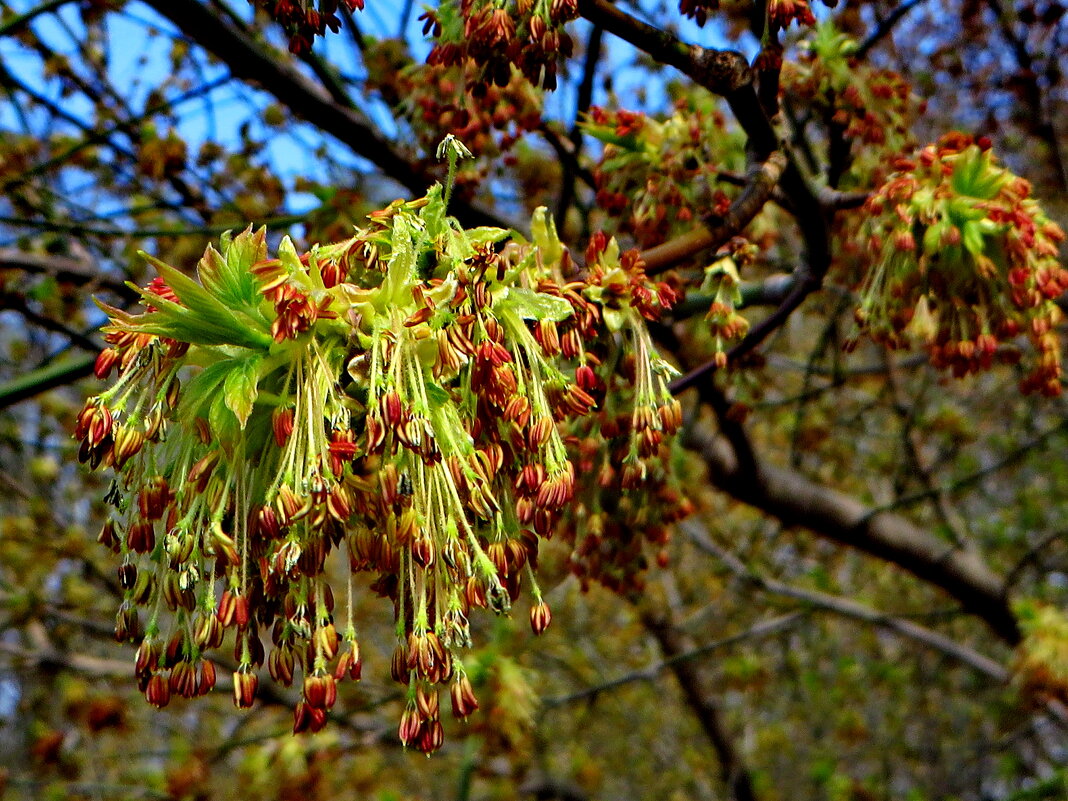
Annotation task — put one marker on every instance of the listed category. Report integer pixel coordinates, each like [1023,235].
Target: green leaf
[972,237]
[241,387]
[247,249]
[532,305]
[203,388]
[228,274]
[437,395]
[205,318]
[222,421]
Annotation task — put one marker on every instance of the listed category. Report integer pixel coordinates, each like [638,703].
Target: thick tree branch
[726,73]
[798,501]
[848,608]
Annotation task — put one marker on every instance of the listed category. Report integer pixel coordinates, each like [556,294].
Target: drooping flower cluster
[625,445]
[398,397]
[658,174]
[303,20]
[723,283]
[963,259]
[500,34]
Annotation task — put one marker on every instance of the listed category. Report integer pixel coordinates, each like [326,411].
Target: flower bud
[158,691]
[245,685]
[463,697]
[540,617]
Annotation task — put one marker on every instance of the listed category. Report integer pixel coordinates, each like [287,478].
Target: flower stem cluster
[433,98]
[963,261]
[859,102]
[399,397]
[625,445]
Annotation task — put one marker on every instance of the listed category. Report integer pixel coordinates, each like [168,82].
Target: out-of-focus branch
[717,229]
[886,27]
[762,629]
[18,304]
[851,609]
[49,376]
[63,269]
[798,501]
[252,62]
[582,106]
[701,699]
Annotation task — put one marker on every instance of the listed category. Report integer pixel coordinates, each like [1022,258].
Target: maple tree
[711,340]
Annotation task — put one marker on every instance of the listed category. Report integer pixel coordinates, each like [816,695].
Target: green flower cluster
[398,397]
[964,260]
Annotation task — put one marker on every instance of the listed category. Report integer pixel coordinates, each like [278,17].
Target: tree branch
[673,642]
[798,501]
[717,230]
[64,269]
[846,607]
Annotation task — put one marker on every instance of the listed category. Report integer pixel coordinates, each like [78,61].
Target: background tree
[864,600]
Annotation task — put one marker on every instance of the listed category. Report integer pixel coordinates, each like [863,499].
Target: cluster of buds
[401,397]
[782,12]
[657,175]
[1041,668]
[873,106]
[433,98]
[963,260]
[499,35]
[723,283]
[303,20]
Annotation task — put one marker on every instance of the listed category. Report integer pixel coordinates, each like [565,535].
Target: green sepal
[433,213]
[972,238]
[543,231]
[401,271]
